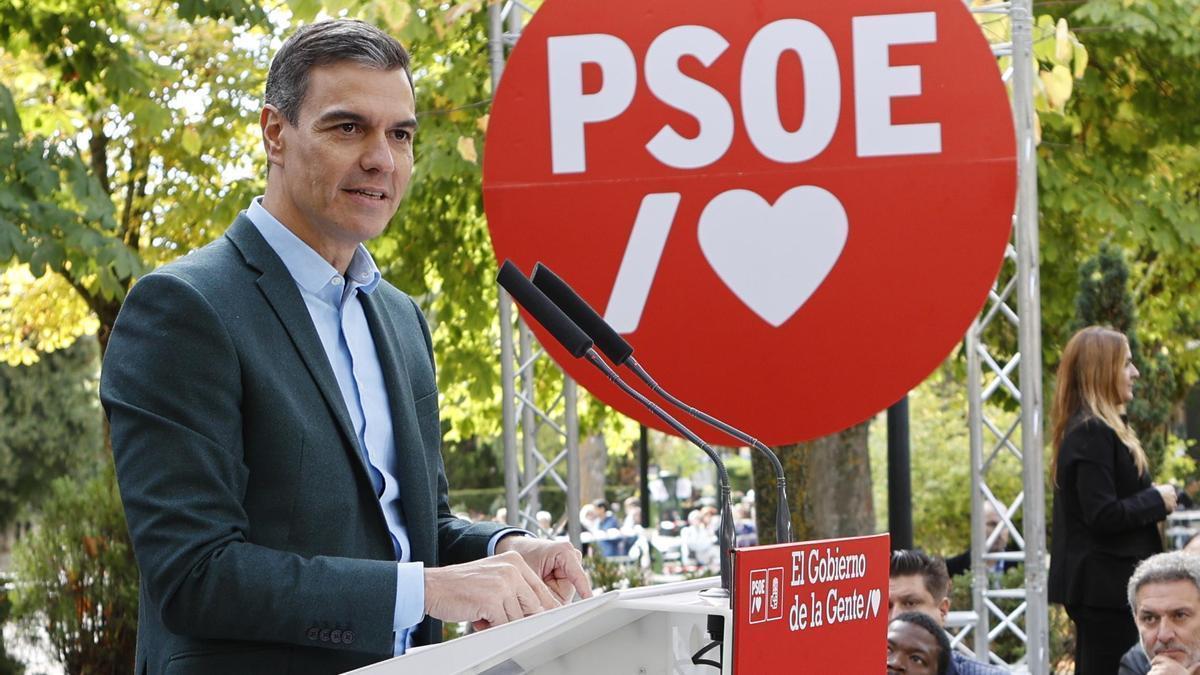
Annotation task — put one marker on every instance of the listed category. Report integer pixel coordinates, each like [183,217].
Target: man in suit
[274,410]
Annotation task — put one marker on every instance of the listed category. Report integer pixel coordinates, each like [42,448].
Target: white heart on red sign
[874,596]
[773,256]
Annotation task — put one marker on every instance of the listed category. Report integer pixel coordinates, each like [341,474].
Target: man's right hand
[486,592]
[1164,665]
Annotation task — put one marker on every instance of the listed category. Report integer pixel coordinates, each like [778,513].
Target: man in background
[1164,593]
[917,645]
[919,583]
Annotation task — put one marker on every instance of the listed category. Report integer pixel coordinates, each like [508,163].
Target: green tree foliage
[52,425]
[124,134]
[1104,300]
[79,579]
[1121,165]
[941,464]
[8,664]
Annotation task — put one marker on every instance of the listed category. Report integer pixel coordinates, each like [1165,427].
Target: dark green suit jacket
[261,544]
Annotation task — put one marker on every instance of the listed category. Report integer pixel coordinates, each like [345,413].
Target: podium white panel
[653,630]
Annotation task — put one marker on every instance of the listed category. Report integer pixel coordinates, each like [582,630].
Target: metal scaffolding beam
[548,432]
[1013,310]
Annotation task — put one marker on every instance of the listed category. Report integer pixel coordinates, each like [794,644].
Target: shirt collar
[307,267]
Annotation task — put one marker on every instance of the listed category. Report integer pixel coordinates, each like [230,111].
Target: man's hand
[1165,665]
[486,592]
[557,563]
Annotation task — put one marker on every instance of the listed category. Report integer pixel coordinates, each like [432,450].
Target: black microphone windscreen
[543,310]
[560,292]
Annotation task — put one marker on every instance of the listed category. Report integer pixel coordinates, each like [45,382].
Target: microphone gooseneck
[563,329]
[620,352]
[726,535]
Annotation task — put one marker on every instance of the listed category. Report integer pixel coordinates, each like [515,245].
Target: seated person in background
[545,522]
[917,644]
[698,542]
[918,583]
[609,537]
[991,520]
[1164,593]
[743,526]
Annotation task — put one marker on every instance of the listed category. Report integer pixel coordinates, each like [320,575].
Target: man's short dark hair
[932,570]
[939,636]
[325,43]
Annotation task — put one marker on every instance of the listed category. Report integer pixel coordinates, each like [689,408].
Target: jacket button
[347,636]
[313,633]
[324,635]
[336,636]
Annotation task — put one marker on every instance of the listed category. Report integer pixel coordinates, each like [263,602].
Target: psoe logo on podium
[765,600]
[792,209]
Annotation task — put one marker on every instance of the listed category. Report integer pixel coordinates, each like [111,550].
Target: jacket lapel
[412,472]
[277,285]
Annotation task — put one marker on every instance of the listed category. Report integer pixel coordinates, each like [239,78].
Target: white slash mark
[640,264]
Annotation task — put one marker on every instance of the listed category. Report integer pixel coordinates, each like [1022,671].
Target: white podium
[652,630]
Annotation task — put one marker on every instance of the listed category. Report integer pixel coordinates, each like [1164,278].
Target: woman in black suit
[1105,508]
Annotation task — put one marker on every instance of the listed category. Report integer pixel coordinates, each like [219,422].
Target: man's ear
[271,121]
[944,608]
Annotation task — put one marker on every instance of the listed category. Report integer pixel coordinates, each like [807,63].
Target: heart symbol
[873,598]
[773,256]
[756,605]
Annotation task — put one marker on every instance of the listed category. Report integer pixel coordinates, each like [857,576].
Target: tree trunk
[829,487]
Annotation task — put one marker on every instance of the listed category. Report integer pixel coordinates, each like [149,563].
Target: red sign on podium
[812,607]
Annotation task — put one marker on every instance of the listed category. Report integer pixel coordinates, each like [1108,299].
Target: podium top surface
[576,622]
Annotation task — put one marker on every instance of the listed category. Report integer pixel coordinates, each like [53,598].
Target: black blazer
[1105,518]
[261,544]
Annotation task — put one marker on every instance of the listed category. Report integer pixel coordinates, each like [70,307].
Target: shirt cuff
[491,547]
[410,596]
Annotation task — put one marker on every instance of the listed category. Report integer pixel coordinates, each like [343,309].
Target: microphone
[558,323]
[621,353]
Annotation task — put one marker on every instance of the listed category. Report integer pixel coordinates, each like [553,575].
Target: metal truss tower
[1004,339]
[548,433]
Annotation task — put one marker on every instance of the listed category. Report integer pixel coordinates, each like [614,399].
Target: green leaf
[10,237]
[8,112]
[191,141]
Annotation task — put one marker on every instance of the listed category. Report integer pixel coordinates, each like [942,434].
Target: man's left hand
[558,563]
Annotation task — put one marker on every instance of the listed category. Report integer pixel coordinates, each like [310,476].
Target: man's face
[911,649]
[346,163]
[992,520]
[1168,619]
[908,594]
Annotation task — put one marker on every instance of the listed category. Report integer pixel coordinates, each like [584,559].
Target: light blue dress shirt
[333,303]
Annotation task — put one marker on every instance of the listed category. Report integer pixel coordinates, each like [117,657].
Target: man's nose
[1166,632]
[893,661]
[377,155]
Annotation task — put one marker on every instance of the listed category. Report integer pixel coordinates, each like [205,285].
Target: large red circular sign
[791,210]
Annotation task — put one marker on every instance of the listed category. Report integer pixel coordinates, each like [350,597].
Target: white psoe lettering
[876,83]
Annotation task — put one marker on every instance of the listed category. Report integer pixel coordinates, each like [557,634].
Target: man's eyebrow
[342,115]
[339,115]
